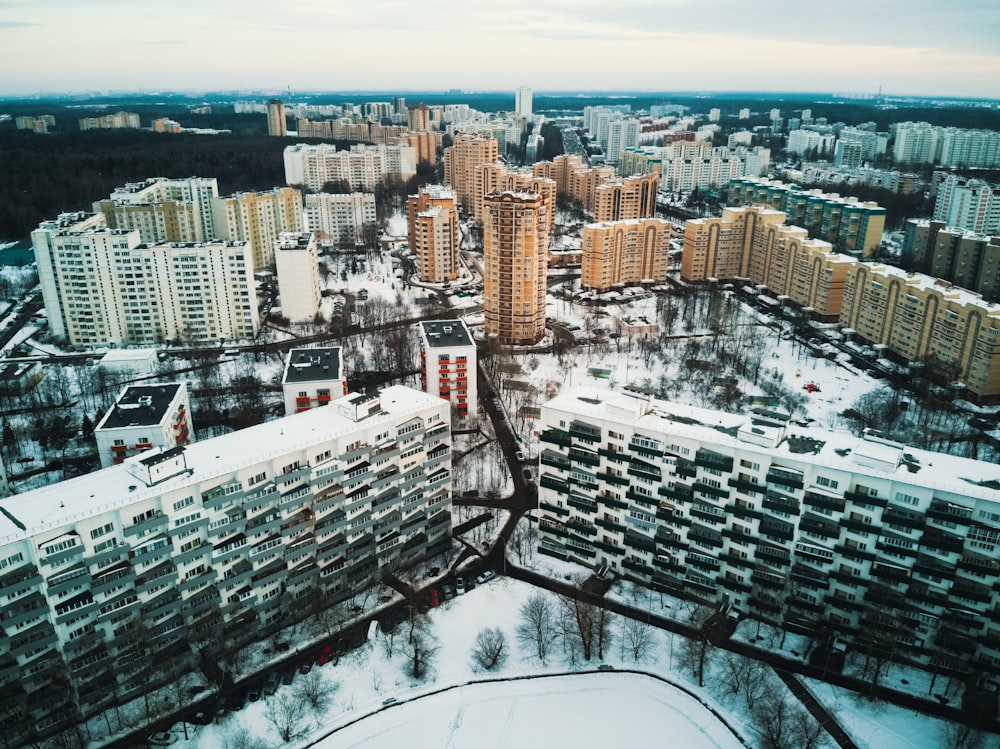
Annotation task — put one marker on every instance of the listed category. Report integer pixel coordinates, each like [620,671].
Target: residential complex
[162,209]
[38,125]
[102,285]
[434,233]
[297,265]
[515,253]
[971,204]
[110,578]
[626,198]
[623,253]
[448,364]
[340,219]
[965,258]
[258,218]
[277,124]
[144,417]
[116,121]
[813,530]
[360,168]
[313,377]
[922,143]
[851,227]
[468,151]
[497,178]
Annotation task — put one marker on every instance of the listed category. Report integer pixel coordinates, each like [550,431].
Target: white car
[459,586]
[485,577]
[161,739]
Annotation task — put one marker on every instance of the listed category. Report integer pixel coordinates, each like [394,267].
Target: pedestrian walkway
[820,713]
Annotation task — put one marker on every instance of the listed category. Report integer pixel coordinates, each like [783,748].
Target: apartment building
[277,123]
[424,144]
[801,142]
[434,233]
[964,258]
[39,125]
[515,257]
[951,331]
[755,244]
[622,135]
[313,377]
[626,198]
[522,101]
[468,151]
[497,178]
[102,285]
[258,218]
[362,167]
[340,219]
[448,364]
[418,117]
[297,264]
[850,226]
[144,417]
[817,531]
[625,253]
[116,121]
[971,204]
[162,209]
[219,542]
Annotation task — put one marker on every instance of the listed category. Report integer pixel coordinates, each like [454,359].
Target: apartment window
[907,499]
[827,482]
[257,479]
[186,502]
[104,529]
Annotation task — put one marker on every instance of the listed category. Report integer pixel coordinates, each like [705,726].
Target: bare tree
[315,691]
[746,675]
[961,736]
[241,738]
[637,638]
[696,652]
[285,712]
[783,725]
[420,652]
[538,629]
[490,651]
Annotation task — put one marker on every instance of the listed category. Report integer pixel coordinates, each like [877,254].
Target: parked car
[485,577]
[305,667]
[434,599]
[161,739]
[448,592]
[519,456]
[325,655]
[459,585]
[254,694]
[288,676]
[271,683]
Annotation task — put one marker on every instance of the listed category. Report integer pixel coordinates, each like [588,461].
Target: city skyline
[916,48]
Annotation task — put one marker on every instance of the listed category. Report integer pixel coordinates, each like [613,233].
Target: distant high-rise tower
[515,253]
[276,122]
[468,151]
[522,101]
[399,105]
[419,117]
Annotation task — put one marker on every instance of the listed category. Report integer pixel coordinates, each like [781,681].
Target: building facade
[965,258]
[102,285]
[811,530]
[144,417]
[468,151]
[277,123]
[362,167]
[515,257]
[162,209]
[258,218]
[297,265]
[522,101]
[627,198]
[220,542]
[971,204]
[497,178]
[625,253]
[116,121]
[340,219]
[448,364]
[434,233]
[313,377]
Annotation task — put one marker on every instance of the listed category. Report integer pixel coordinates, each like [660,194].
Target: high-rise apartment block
[277,124]
[228,539]
[38,125]
[434,233]
[162,209]
[102,285]
[116,121]
[448,364]
[522,101]
[971,204]
[360,168]
[922,143]
[340,219]
[468,151]
[850,226]
[965,258]
[144,417]
[515,257]
[624,253]
[622,135]
[627,198]
[497,178]
[419,117]
[258,218]
[801,142]
[297,264]
[313,377]
[812,530]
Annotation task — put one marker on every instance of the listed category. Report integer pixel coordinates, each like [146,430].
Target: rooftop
[140,405]
[446,333]
[313,365]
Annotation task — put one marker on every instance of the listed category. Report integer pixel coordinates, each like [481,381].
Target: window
[186,502]
[827,482]
[104,529]
[257,479]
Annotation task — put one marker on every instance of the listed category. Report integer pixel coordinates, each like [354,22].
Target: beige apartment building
[258,218]
[297,264]
[116,121]
[460,161]
[623,253]
[515,254]
[628,198]
[276,122]
[434,233]
[922,319]
[162,209]
[575,180]
[497,177]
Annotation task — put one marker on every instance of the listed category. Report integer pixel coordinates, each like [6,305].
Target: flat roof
[140,405]
[446,333]
[58,505]
[313,365]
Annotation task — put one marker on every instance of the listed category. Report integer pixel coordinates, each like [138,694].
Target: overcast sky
[932,47]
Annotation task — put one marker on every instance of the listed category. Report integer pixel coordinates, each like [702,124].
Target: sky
[908,47]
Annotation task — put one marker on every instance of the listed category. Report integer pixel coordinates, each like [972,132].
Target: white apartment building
[971,204]
[687,166]
[162,209]
[106,576]
[522,101]
[297,263]
[102,285]
[923,143]
[313,377]
[622,134]
[802,141]
[361,168]
[815,530]
[339,220]
[144,417]
[448,364]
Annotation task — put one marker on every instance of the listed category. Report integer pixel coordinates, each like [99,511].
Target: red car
[435,598]
[326,655]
